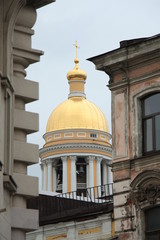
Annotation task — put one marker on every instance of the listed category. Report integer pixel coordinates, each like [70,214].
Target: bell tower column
[50,175]
[44,176]
[64,160]
[91,172]
[73,173]
[99,159]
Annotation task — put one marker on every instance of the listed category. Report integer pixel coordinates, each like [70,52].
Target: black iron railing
[98,194]
[73,205]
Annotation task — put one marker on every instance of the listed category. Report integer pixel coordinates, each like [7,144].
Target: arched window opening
[81,176]
[151,123]
[59,176]
[152,223]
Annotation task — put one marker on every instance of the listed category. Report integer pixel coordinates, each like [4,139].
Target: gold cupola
[77,112]
[76,79]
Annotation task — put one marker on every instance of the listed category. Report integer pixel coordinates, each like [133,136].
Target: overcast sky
[98,26]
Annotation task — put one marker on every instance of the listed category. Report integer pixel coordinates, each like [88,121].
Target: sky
[98,26]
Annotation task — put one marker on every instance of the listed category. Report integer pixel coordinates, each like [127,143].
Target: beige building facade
[135,86]
[16,54]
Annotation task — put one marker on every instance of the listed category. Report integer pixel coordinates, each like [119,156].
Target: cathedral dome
[77,113]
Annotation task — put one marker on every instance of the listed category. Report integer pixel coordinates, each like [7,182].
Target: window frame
[144,120]
[151,231]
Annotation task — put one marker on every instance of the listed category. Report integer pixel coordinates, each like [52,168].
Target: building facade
[135,85]
[16,54]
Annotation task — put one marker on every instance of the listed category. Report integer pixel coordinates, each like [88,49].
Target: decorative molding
[54,158]
[99,159]
[64,158]
[81,134]
[81,81]
[75,146]
[73,158]
[75,130]
[150,193]
[91,158]
[76,94]
[57,136]
[68,135]
[103,137]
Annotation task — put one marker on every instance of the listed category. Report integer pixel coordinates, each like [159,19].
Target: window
[151,123]
[152,223]
[93,135]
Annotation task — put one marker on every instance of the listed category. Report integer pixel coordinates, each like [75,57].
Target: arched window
[59,176]
[151,123]
[152,223]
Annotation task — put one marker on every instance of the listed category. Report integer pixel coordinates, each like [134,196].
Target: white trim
[85,146]
[106,158]
[68,135]
[57,135]
[75,130]
[49,138]
[83,134]
[103,137]
[82,81]
[77,94]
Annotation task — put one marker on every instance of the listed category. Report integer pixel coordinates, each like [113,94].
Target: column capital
[99,159]
[49,160]
[64,158]
[90,158]
[73,158]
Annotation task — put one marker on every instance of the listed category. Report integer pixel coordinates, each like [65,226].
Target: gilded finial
[76,73]
[76,45]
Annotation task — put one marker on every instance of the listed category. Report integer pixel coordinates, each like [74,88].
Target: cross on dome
[76,46]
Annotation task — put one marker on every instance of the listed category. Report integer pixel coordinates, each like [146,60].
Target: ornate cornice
[75,146]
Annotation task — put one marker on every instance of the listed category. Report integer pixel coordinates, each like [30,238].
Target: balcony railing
[98,194]
[70,206]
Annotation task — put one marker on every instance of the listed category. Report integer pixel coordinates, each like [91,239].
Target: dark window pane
[152,104]
[157,131]
[153,237]
[148,138]
[153,219]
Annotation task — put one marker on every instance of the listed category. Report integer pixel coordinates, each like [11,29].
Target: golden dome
[77,113]
[76,73]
